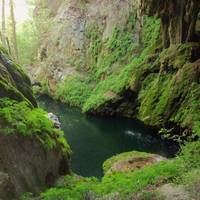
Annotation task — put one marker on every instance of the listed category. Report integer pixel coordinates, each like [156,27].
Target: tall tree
[13,26]
[3,25]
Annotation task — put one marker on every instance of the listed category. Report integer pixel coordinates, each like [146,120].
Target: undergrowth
[74,90]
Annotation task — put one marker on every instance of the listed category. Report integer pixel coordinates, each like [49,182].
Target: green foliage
[117,64]
[188,114]
[74,90]
[190,177]
[154,99]
[102,54]
[28,42]
[150,31]
[20,118]
[183,169]
[173,93]
[73,188]
[133,182]
[119,48]
[190,155]
[191,181]
[125,184]
[113,84]
[94,34]
[31,33]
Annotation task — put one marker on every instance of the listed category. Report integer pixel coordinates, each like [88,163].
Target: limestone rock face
[131,58]
[178,18]
[66,49]
[30,167]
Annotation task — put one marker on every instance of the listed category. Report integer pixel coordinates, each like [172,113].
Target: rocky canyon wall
[133,58]
[178,19]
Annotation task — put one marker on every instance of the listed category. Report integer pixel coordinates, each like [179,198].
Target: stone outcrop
[137,59]
[26,165]
[14,83]
[130,161]
[30,167]
[77,27]
[178,19]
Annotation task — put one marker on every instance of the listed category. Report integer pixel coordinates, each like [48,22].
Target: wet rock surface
[55,120]
[7,188]
[29,166]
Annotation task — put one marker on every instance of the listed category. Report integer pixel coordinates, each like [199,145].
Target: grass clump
[20,118]
[94,35]
[72,188]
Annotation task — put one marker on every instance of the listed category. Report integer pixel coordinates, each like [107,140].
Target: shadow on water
[95,139]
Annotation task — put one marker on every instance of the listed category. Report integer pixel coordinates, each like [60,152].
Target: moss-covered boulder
[14,83]
[130,161]
[33,153]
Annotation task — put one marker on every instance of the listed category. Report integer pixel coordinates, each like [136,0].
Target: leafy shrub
[190,155]
[74,90]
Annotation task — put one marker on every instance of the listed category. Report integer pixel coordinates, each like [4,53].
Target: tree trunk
[13,25]
[3,25]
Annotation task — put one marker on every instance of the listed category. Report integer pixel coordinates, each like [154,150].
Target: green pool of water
[95,139]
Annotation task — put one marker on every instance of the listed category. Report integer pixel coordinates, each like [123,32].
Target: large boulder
[30,167]
[14,83]
[33,154]
[130,161]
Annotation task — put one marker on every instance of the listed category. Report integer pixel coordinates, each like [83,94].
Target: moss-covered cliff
[14,83]
[137,59]
[178,19]
[32,152]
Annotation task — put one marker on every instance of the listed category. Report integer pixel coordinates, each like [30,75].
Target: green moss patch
[20,118]
[123,156]
[74,90]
